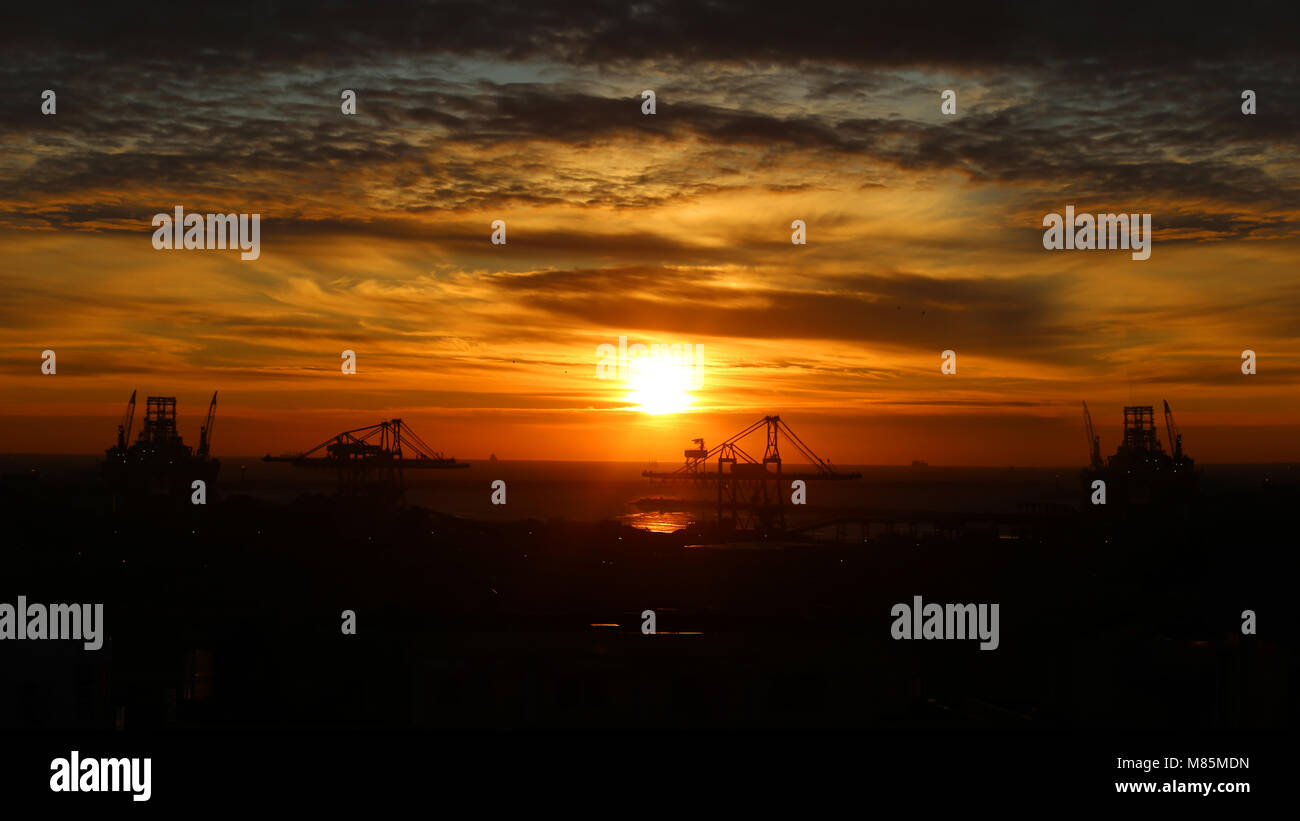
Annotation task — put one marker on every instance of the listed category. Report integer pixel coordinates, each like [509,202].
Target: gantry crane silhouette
[370,460]
[751,492]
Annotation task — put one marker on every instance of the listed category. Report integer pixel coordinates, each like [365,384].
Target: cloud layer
[924,230]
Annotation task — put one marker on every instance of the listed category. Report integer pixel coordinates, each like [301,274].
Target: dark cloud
[1154,134]
[1020,318]
[252,37]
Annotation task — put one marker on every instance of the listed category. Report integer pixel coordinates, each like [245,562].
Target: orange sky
[924,234]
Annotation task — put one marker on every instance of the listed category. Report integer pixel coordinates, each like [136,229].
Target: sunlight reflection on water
[659,521]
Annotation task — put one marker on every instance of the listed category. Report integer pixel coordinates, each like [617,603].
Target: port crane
[370,460]
[696,457]
[124,427]
[750,490]
[205,432]
[1175,436]
[1094,441]
[732,458]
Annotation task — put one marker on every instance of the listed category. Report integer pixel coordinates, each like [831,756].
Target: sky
[924,229]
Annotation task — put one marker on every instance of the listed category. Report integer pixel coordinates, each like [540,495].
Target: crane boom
[205,432]
[124,427]
[1094,441]
[1175,436]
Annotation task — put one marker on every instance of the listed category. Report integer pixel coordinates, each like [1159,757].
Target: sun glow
[659,386]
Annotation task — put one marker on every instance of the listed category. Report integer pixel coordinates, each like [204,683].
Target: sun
[659,386]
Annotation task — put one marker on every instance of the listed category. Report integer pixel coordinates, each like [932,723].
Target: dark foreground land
[229,615]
